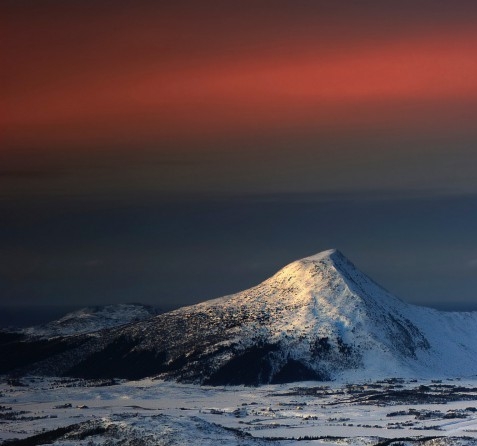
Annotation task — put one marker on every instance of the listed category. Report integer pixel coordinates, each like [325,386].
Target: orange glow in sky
[151,92]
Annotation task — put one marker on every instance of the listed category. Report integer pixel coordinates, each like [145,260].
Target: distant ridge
[318,318]
[93,318]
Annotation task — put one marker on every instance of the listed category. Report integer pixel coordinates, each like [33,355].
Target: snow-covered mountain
[92,319]
[317,318]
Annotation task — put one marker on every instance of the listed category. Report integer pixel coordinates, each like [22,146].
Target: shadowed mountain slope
[318,318]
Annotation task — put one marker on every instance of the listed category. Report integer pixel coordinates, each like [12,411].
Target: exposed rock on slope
[91,319]
[317,318]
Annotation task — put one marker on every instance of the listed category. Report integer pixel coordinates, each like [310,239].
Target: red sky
[88,75]
[152,137]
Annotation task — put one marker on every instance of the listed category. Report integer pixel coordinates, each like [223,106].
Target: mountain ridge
[90,319]
[317,318]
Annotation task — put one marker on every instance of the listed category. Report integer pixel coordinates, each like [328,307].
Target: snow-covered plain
[318,318]
[149,412]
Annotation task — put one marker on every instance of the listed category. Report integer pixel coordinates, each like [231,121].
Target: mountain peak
[327,280]
[315,268]
[332,257]
[328,254]
[317,318]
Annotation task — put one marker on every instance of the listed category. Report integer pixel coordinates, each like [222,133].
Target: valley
[67,411]
[317,354]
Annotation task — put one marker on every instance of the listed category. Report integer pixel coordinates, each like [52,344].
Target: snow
[395,370]
[91,319]
[325,296]
[319,315]
[323,255]
[169,413]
